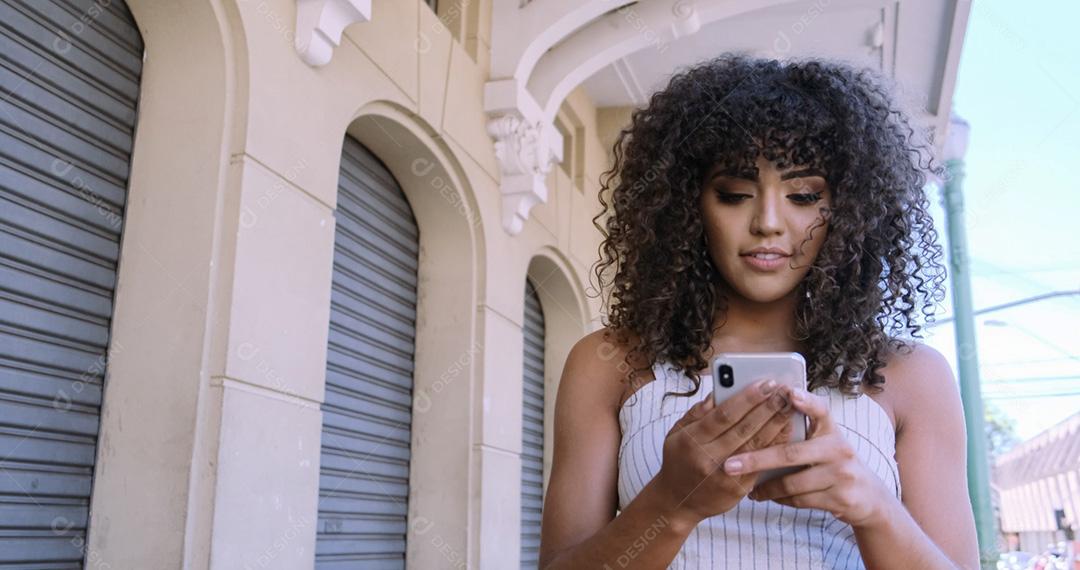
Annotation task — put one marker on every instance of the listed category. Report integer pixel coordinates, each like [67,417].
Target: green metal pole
[967,360]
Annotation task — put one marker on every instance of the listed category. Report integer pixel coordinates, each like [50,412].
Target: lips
[767,250]
[765,255]
[764,260]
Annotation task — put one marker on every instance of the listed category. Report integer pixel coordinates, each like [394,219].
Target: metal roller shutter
[532,430]
[69,83]
[367,415]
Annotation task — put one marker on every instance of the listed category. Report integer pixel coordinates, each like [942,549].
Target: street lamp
[956,142]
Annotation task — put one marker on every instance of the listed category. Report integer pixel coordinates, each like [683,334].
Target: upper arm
[931,450]
[582,497]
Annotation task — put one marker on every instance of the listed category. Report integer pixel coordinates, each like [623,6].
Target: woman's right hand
[692,474]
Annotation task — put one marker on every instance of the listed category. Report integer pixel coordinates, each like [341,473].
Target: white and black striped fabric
[753,534]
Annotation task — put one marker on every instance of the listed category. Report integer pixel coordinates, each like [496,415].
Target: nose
[766,219]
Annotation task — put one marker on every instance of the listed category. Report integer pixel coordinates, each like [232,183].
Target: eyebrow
[802,173]
[805,172]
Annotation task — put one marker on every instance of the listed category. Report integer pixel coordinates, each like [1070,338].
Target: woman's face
[775,210]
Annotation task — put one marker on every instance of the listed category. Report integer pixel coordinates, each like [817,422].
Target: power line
[1005,394]
[1021,272]
[1030,379]
[985,365]
[1017,275]
[1027,396]
[1008,305]
[1046,341]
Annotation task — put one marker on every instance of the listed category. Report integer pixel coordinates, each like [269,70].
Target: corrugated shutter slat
[532,433]
[367,413]
[67,125]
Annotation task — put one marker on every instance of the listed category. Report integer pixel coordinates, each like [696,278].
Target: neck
[749,326]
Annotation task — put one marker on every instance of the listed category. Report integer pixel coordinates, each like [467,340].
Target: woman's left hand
[835,479]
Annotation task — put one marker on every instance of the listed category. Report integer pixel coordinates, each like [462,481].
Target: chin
[762,293]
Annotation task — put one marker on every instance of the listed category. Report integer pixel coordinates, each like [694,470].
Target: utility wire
[1030,379]
[1027,396]
[1003,363]
[1044,296]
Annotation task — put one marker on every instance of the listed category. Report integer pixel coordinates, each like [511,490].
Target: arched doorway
[367,412]
[532,429]
[70,81]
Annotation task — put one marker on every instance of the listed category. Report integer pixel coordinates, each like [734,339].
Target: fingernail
[733,465]
[797,395]
[767,387]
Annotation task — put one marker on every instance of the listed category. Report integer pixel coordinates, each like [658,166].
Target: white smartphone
[733,371]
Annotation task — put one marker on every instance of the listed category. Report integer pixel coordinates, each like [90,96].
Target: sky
[1018,87]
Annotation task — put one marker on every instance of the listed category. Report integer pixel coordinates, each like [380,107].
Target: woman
[763,206]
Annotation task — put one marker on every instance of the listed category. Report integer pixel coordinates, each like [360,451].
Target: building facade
[290,283]
[1038,487]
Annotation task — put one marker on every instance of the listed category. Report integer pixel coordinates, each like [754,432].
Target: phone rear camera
[727,376]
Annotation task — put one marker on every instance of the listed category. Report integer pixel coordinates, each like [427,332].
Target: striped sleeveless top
[753,534]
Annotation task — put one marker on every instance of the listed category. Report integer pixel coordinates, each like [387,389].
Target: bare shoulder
[597,364]
[920,385]
[582,493]
[931,450]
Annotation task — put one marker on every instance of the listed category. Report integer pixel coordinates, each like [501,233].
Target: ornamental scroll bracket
[525,151]
[320,23]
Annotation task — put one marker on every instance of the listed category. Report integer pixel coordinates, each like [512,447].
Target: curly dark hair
[879,266]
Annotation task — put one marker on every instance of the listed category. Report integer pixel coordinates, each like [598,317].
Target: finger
[695,413]
[749,427]
[778,423]
[815,500]
[784,436]
[784,416]
[816,408]
[722,417]
[776,430]
[698,410]
[786,393]
[815,450]
[816,478]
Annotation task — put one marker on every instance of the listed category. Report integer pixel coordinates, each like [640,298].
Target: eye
[805,198]
[731,197]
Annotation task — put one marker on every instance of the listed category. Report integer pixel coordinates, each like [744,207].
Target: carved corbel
[525,151]
[320,23]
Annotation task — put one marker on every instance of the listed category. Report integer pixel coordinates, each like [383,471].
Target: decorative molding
[629,81]
[526,152]
[320,23]
[607,39]
[541,51]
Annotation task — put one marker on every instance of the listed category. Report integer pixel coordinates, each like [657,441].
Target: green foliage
[1000,430]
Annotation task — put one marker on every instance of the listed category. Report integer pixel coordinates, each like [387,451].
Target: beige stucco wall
[209,446]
